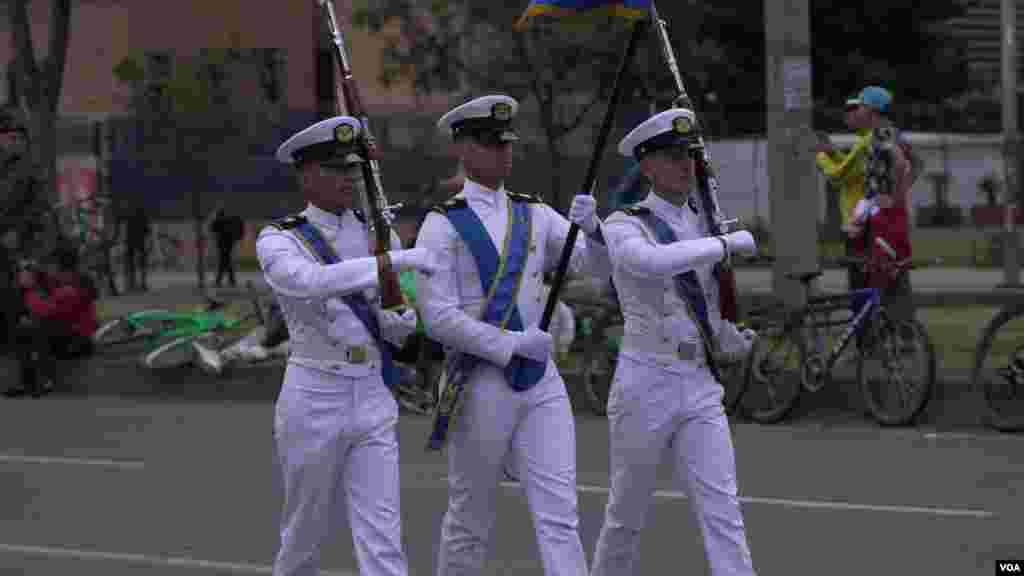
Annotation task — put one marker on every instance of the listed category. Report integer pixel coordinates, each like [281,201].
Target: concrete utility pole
[1011,181]
[794,194]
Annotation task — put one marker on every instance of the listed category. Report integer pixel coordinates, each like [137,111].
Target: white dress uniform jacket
[664,397]
[335,418]
[532,431]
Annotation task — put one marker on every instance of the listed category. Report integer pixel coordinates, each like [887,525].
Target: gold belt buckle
[356,355]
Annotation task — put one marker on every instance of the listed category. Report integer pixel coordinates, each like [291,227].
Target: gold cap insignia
[344,133]
[682,125]
[502,111]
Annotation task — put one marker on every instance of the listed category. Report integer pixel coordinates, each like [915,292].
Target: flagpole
[591,175]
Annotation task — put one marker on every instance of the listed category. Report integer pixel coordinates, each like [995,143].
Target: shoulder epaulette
[636,210]
[454,203]
[692,203]
[289,222]
[516,197]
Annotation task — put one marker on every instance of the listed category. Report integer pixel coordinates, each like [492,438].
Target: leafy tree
[463,47]
[855,44]
[188,121]
[467,48]
[852,44]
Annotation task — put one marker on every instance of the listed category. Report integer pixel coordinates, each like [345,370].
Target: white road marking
[821,504]
[969,436]
[159,561]
[103,463]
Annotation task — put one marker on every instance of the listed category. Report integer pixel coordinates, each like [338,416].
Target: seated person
[58,323]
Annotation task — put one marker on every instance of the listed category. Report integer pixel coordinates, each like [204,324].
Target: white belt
[667,348]
[351,355]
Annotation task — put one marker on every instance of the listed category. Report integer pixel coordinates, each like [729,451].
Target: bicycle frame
[184,324]
[869,310]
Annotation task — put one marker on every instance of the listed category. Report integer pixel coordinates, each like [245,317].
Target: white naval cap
[333,138]
[675,127]
[488,116]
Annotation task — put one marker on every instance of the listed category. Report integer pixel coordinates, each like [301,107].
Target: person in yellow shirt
[845,170]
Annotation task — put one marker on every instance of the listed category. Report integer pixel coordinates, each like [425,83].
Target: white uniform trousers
[673,406]
[532,431]
[336,438]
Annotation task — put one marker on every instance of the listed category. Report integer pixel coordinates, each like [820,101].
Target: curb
[954,405]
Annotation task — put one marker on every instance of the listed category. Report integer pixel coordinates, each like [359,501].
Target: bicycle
[811,347]
[998,369]
[168,335]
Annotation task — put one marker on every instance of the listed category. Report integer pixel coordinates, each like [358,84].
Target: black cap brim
[664,142]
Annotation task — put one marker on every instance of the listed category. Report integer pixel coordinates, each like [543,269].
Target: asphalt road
[144,485]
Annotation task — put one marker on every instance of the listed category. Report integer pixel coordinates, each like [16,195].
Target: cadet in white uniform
[525,424]
[664,396]
[335,417]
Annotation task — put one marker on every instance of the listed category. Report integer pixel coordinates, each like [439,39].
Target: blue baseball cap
[872,97]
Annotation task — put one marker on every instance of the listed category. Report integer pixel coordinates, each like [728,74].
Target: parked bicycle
[999,368]
[798,350]
[168,335]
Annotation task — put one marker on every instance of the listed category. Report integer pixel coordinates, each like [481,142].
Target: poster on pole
[796,83]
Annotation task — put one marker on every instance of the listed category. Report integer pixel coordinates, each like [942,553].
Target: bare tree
[38,85]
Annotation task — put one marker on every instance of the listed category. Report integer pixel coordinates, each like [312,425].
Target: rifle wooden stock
[707,182]
[350,102]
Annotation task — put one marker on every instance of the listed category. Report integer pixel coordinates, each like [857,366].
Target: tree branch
[60,23]
[22,32]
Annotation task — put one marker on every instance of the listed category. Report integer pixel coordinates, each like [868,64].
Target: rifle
[347,93]
[707,182]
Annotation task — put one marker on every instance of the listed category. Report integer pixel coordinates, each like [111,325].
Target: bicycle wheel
[773,374]
[122,330]
[999,369]
[897,371]
[734,381]
[171,354]
[734,373]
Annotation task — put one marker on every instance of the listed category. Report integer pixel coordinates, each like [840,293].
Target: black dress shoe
[15,392]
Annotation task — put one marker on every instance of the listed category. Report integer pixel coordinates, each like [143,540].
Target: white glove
[741,242]
[395,327]
[736,344]
[535,344]
[420,259]
[583,213]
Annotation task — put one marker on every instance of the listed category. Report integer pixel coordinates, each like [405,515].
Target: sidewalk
[925,280]
[932,287]
[953,404]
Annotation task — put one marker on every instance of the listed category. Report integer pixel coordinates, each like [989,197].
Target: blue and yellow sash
[689,290]
[315,242]
[501,277]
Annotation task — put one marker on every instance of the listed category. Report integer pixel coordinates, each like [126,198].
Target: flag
[633,9]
